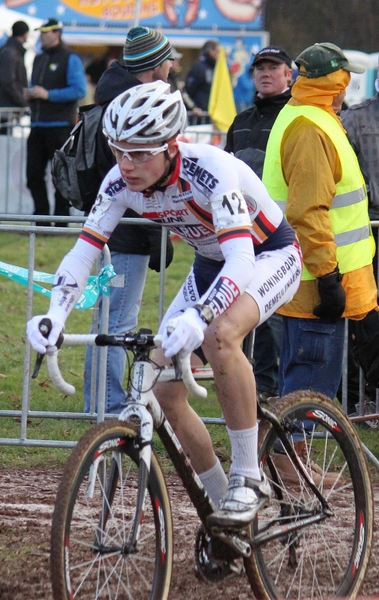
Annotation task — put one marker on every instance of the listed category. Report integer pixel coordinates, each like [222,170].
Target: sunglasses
[135,155]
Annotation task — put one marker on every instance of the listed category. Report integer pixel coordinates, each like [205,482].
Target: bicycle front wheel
[329,554]
[95,517]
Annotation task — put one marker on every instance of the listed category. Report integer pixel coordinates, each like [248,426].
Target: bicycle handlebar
[56,377]
[184,371]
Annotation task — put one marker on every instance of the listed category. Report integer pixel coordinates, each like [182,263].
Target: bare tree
[297,24]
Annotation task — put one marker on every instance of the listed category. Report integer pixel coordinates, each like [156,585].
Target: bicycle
[112,532]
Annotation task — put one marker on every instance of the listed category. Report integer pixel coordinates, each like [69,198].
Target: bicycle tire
[325,559]
[93,517]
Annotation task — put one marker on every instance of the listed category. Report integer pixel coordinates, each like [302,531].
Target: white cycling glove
[37,340]
[187,333]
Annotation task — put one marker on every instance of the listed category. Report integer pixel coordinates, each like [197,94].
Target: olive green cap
[324,58]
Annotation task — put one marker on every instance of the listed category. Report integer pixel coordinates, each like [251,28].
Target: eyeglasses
[135,155]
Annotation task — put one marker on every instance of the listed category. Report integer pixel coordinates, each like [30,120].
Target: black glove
[332,296]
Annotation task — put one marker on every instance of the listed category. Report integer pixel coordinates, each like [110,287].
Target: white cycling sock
[215,482]
[244,452]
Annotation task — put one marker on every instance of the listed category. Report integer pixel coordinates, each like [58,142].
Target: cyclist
[247,264]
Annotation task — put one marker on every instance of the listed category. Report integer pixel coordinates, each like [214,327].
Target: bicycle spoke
[313,557]
[101,559]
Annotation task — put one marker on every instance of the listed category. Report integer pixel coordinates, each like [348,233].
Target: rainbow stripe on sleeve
[262,228]
[95,239]
[228,234]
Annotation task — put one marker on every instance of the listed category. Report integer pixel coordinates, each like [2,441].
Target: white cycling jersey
[213,201]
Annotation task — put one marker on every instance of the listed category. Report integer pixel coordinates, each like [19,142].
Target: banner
[221,107]
[96,283]
[117,10]
[174,14]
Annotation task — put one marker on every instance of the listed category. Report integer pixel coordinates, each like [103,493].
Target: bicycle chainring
[207,566]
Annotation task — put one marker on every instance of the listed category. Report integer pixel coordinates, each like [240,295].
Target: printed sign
[173,14]
[116,10]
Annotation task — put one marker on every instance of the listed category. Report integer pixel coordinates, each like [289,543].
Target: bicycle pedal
[233,540]
[237,568]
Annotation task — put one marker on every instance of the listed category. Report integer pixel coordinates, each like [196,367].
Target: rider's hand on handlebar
[37,339]
[187,333]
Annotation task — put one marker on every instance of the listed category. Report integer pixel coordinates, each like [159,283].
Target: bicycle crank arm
[284,530]
[233,541]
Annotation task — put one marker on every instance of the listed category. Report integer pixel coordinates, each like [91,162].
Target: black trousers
[42,143]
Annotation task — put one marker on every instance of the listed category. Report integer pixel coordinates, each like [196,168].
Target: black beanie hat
[145,49]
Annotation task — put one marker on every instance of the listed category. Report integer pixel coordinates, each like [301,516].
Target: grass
[44,397]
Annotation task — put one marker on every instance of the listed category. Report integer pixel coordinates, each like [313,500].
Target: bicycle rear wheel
[329,556]
[95,514]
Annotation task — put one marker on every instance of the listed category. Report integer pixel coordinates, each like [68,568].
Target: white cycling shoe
[244,498]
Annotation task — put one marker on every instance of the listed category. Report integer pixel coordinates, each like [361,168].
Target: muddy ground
[26,505]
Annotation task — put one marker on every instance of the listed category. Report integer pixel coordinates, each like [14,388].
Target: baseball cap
[19,28]
[145,49]
[50,25]
[324,58]
[274,53]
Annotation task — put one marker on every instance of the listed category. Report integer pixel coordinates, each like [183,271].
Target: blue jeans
[125,303]
[267,344]
[311,356]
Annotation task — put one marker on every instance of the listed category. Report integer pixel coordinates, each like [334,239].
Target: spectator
[174,74]
[361,122]
[13,78]
[199,81]
[312,172]
[95,69]
[247,139]
[147,57]
[177,83]
[243,90]
[58,82]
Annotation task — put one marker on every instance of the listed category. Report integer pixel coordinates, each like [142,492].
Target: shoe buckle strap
[242,481]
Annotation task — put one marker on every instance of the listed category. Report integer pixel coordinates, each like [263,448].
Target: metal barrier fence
[16,206]
[14,131]
[15,224]
[15,197]
[8,223]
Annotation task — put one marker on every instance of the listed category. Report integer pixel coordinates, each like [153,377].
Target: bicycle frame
[144,407]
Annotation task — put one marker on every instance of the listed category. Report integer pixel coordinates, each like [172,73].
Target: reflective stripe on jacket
[348,213]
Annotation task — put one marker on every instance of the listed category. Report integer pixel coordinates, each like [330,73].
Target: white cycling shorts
[276,279]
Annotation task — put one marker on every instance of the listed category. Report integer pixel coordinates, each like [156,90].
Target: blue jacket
[61,72]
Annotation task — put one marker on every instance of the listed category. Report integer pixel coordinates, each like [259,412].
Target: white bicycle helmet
[145,114]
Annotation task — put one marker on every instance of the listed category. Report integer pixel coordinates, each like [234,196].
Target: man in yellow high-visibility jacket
[312,172]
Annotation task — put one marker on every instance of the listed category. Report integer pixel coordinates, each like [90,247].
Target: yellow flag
[221,106]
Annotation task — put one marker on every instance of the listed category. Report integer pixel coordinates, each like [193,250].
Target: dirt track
[26,504]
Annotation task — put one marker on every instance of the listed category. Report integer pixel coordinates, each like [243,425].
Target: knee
[221,340]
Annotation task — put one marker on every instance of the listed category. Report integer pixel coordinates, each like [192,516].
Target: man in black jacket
[247,139]
[58,82]
[147,57]
[13,78]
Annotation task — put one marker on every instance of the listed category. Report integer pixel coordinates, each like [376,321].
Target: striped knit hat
[145,49]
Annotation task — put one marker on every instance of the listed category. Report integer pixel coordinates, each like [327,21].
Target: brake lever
[45,327]
[175,358]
